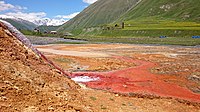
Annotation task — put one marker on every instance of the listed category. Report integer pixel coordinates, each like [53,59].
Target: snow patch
[84,79]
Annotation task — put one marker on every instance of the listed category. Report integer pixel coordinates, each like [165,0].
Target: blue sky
[38,9]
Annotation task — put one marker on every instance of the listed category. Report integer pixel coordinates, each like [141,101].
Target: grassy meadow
[146,32]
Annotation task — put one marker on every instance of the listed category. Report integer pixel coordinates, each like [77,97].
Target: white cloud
[5,6]
[38,18]
[70,16]
[89,1]
[6,16]
[27,16]
[56,22]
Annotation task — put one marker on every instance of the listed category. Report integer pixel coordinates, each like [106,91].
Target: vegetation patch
[93,98]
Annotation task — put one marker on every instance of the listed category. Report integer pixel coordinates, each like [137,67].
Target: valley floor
[111,77]
[170,84]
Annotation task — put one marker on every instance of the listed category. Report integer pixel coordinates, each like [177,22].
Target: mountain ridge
[21,24]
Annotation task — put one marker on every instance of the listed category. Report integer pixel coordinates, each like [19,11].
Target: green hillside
[21,24]
[115,11]
[101,12]
[47,28]
[144,22]
[180,10]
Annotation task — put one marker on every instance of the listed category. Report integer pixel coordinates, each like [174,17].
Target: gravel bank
[51,40]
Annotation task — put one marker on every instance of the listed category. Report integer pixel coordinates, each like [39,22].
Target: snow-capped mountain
[38,22]
[49,22]
[20,24]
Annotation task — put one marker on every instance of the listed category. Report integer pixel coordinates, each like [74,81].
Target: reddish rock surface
[137,79]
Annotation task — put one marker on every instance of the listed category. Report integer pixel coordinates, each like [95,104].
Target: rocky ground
[174,64]
[30,84]
[178,64]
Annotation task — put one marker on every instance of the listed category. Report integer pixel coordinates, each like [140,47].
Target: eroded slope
[28,83]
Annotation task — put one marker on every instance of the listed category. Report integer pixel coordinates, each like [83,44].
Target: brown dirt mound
[28,83]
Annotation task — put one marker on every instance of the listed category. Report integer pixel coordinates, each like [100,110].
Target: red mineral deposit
[138,80]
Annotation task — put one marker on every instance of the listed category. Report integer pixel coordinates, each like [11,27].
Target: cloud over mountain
[12,11]
[89,1]
[27,16]
[39,18]
[70,16]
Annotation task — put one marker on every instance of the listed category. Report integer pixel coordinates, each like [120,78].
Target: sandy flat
[74,53]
